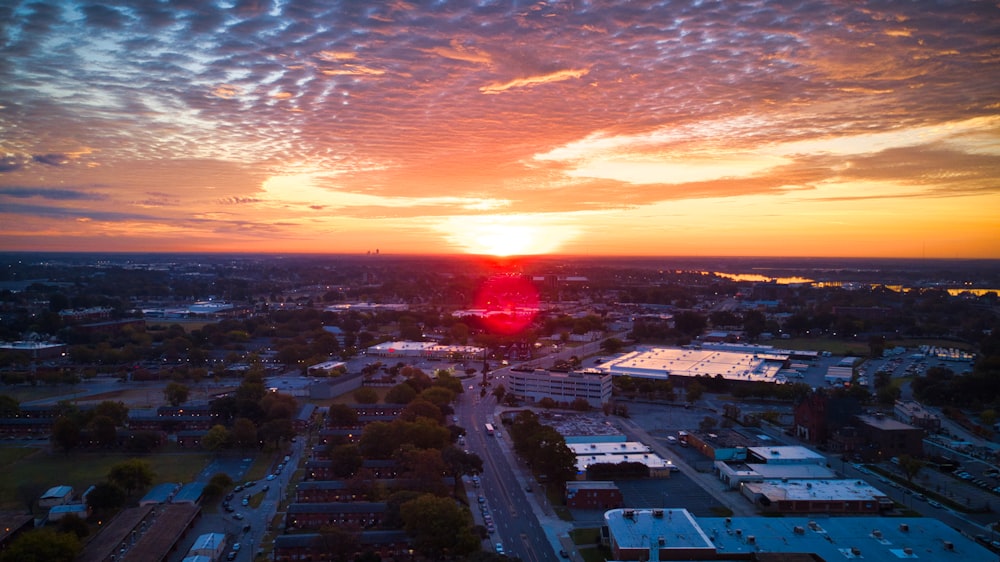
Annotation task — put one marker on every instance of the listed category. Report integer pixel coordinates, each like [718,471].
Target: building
[818,416]
[880,438]
[722,444]
[788,455]
[734,474]
[57,512]
[602,452]
[913,413]
[349,515]
[867,539]
[211,545]
[656,534]
[816,496]
[687,363]
[56,495]
[532,386]
[429,350]
[392,545]
[595,494]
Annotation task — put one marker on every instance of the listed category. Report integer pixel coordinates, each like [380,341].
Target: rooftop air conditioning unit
[657,513]
[948,545]
[877,534]
[904,527]
[751,539]
[662,540]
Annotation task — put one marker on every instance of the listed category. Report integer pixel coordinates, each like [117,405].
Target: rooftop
[662,362]
[875,539]
[786,453]
[805,489]
[884,422]
[642,528]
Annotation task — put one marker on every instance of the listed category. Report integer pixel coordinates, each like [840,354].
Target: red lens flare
[509,303]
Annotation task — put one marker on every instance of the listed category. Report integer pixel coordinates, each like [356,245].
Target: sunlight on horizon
[507,235]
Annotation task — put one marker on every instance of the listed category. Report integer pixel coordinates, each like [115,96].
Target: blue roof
[159,494]
[190,493]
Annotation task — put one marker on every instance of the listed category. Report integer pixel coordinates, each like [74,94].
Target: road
[503,482]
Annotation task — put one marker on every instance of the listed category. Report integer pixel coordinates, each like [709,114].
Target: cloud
[50,193]
[531,81]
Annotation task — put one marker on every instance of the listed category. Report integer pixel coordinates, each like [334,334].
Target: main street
[503,483]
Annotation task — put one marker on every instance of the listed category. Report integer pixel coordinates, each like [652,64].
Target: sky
[674,128]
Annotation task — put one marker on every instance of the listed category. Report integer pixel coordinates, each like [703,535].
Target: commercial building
[789,455]
[673,534]
[663,363]
[601,452]
[532,386]
[880,438]
[734,474]
[913,413]
[593,494]
[816,496]
[429,350]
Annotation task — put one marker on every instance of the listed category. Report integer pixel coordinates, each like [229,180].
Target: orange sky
[597,128]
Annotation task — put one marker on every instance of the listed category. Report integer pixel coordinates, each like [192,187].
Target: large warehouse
[666,362]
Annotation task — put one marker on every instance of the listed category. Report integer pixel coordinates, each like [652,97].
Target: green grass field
[39,468]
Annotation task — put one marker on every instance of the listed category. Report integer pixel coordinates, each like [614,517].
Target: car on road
[934,504]
[270,477]
[245,502]
[231,555]
[499,548]
[249,484]
[563,554]
[238,516]
[236,546]
[482,499]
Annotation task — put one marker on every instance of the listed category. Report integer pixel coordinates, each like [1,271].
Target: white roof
[662,362]
[812,490]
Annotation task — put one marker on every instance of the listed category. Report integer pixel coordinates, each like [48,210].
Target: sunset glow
[601,128]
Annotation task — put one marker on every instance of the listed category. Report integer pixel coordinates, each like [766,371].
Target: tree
[176,393]
[29,491]
[131,475]
[910,466]
[73,523]
[612,345]
[694,391]
[402,393]
[116,410]
[43,545]
[342,415]
[244,433]
[438,527]
[345,460]
[707,423]
[104,431]
[366,395]
[218,437]
[65,433]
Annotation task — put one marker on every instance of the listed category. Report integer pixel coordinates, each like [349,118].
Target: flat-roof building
[784,455]
[664,362]
[734,474]
[656,534]
[532,386]
[816,496]
[673,534]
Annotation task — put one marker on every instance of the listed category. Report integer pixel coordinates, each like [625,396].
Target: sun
[506,235]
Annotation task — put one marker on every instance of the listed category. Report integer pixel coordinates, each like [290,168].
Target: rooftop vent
[729,521]
[751,539]
[813,525]
[799,530]
[629,514]
[662,540]
[877,534]
[904,527]
[739,532]
[948,545]
[657,513]
[855,551]
[908,551]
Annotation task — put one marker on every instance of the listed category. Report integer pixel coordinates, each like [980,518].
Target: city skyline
[660,128]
